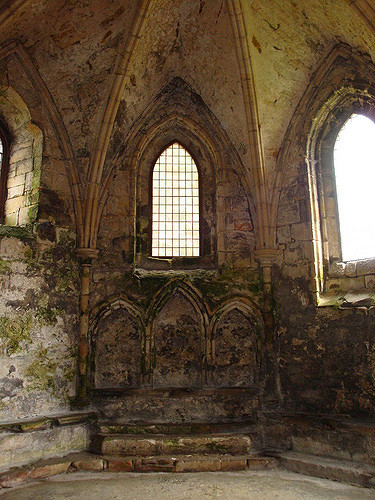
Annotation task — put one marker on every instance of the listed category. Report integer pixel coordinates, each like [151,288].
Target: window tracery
[4,167]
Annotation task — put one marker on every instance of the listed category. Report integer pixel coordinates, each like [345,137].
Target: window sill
[345,300]
[172,273]
[175,264]
[352,268]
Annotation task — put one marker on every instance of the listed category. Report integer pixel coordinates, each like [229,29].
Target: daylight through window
[175,204]
[354,160]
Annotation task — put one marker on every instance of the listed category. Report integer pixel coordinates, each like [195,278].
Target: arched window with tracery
[175,204]
[354,165]
[4,167]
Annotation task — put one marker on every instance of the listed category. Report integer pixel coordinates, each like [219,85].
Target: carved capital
[86,255]
[266,256]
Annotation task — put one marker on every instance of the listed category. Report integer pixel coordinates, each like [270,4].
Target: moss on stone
[47,315]
[217,448]
[41,371]
[15,332]
[22,233]
[4,267]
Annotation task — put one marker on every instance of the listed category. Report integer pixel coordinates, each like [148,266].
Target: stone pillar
[85,256]
[266,258]
[271,398]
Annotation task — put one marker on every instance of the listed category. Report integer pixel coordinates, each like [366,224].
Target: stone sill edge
[46,422]
[349,299]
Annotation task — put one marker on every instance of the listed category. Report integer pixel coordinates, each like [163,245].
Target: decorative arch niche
[178,114]
[117,346]
[178,325]
[235,336]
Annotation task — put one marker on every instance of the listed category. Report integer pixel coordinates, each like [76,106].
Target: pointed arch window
[354,165]
[4,167]
[175,204]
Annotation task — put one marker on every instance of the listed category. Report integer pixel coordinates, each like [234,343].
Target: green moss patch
[41,371]
[5,267]
[21,233]
[14,333]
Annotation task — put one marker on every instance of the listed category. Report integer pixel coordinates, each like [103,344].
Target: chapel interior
[187,257]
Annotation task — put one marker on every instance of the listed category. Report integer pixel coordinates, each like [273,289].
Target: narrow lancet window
[175,204]
[3,177]
[354,160]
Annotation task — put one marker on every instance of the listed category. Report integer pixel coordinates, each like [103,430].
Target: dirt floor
[265,485]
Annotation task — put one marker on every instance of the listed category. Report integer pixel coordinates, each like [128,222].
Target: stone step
[142,428]
[81,462]
[157,444]
[189,463]
[356,473]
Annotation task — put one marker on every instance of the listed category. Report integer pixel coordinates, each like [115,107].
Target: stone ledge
[175,392]
[358,474]
[331,436]
[46,422]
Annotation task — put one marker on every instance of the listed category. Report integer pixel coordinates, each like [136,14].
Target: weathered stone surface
[118,351]
[178,345]
[40,472]
[228,464]
[198,464]
[120,465]
[209,405]
[155,464]
[235,352]
[89,463]
[348,472]
[13,478]
[26,447]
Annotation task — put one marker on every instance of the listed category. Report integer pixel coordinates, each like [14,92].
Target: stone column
[271,398]
[266,258]
[85,256]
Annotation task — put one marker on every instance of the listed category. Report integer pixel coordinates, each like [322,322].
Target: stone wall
[183,81]
[325,342]
[38,318]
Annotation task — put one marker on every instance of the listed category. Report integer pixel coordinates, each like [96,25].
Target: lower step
[356,473]
[87,462]
[127,444]
[190,463]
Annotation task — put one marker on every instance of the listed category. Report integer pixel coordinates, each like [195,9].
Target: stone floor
[262,485]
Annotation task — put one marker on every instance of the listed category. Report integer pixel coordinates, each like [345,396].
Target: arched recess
[235,335]
[178,114]
[178,323]
[117,345]
[25,160]
[344,83]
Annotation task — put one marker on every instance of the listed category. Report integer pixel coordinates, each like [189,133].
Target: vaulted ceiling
[250,61]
